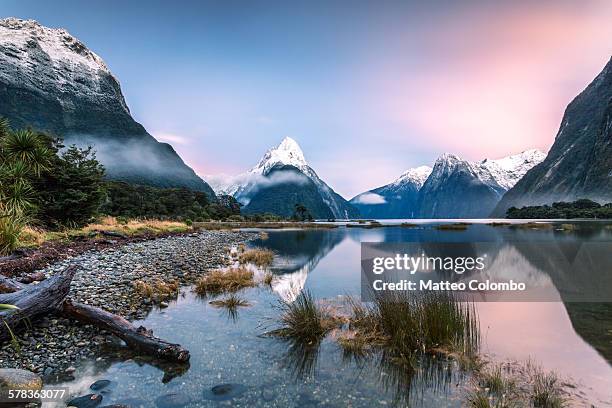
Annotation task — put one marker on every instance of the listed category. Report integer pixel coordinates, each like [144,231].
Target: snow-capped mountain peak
[508,170]
[416,175]
[287,153]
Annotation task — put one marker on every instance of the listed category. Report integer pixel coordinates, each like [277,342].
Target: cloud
[171,138]
[244,186]
[370,198]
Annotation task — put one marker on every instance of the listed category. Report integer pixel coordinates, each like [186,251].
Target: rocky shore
[53,347]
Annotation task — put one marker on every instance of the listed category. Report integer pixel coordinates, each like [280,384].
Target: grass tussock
[11,226]
[304,321]
[258,257]
[156,290]
[263,235]
[509,386]
[457,226]
[404,324]
[233,301]
[547,391]
[222,281]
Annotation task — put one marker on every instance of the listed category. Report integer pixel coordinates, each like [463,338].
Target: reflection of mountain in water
[590,273]
[299,252]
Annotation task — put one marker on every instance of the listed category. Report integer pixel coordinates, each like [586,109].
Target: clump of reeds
[258,257]
[546,391]
[523,386]
[233,301]
[222,281]
[156,290]
[263,235]
[304,321]
[404,324]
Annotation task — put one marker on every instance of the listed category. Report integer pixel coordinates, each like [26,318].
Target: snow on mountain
[286,153]
[459,188]
[51,60]
[498,174]
[51,81]
[416,176]
[509,170]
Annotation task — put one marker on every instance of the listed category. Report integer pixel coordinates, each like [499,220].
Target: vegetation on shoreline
[304,321]
[515,385]
[222,281]
[582,208]
[258,257]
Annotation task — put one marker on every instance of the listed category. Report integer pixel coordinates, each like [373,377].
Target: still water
[574,339]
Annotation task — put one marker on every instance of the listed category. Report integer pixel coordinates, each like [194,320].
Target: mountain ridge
[435,192]
[51,81]
[282,164]
[579,163]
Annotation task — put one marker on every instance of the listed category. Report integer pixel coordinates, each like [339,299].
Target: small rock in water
[99,385]
[223,392]
[163,305]
[86,401]
[173,400]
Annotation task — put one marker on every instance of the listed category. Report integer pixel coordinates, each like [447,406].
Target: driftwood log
[49,296]
[137,337]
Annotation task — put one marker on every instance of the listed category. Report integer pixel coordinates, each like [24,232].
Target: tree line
[583,208]
[47,184]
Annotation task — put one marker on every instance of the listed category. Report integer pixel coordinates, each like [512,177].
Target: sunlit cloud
[171,138]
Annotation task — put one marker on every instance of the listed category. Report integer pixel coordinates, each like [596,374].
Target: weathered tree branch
[49,296]
[138,337]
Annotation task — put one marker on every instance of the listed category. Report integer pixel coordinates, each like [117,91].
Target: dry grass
[259,257]
[32,236]
[223,281]
[156,290]
[135,227]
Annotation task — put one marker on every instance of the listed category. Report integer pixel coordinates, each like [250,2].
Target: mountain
[281,179]
[51,81]
[458,188]
[579,163]
[398,199]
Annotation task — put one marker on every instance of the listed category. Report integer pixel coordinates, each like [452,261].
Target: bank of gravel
[55,346]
